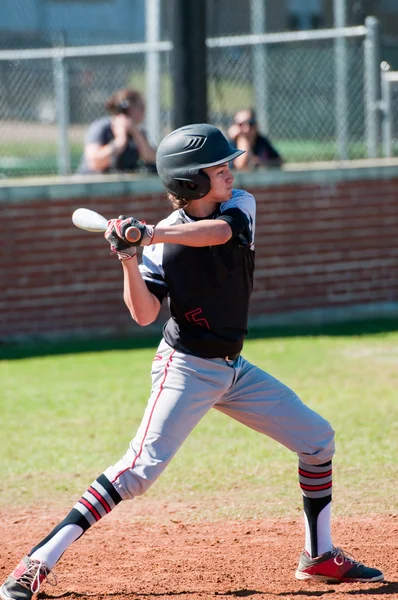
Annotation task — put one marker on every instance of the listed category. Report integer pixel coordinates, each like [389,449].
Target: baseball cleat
[25,580]
[335,566]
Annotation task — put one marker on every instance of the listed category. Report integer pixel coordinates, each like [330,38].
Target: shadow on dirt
[385,588]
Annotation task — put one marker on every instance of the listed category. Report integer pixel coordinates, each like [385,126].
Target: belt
[232,357]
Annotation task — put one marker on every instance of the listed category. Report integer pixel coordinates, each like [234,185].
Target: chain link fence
[298,109]
[46,105]
[314,92]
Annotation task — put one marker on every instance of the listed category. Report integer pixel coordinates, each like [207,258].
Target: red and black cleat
[335,566]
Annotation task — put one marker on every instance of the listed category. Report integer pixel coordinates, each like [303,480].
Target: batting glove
[124,249]
[134,232]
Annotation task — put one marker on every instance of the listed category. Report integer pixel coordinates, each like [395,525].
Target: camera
[123,107]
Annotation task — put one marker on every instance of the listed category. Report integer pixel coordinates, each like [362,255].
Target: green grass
[65,417]
[312,150]
[22,160]
[37,159]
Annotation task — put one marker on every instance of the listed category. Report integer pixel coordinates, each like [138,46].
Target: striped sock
[100,498]
[316,486]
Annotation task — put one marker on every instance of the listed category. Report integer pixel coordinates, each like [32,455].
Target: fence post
[152,17]
[341,101]
[60,75]
[260,65]
[386,114]
[372,86]
[189,62]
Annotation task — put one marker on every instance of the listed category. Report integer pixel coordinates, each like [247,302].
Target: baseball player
[201,258]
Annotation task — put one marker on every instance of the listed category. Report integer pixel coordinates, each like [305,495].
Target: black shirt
[264,152]
[100,132]
[208,288]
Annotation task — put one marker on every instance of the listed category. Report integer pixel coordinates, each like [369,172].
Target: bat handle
[133,234]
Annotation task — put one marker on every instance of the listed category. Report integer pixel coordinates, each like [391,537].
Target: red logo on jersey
[193,317]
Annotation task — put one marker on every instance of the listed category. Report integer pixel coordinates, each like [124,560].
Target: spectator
[117,143]
[259,152]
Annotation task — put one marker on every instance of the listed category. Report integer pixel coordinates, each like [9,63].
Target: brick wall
[321,246]
[323,250]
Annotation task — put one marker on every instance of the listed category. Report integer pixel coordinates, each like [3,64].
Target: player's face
[221,180]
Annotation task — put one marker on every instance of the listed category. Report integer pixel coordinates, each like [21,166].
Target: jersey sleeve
[152,271]
[240,213]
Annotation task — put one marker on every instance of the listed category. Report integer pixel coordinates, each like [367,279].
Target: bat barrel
[87,219]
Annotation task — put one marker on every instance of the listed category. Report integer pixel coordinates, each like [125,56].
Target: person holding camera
[117,143]
[258,150]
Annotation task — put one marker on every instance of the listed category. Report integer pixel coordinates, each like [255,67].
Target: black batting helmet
[184,153]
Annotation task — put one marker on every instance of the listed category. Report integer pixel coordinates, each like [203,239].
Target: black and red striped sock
[316,486]
[100,498]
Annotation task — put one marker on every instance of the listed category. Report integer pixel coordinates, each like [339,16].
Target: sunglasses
[250,122]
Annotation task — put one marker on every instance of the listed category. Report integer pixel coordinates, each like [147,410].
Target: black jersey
[208,288]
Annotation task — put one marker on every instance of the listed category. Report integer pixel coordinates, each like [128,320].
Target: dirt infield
[151,555]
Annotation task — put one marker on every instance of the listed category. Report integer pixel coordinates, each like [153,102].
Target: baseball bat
[87,219]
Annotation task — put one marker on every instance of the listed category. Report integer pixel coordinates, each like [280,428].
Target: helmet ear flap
[195,187]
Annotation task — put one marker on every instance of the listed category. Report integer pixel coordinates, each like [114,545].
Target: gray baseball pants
[185,387]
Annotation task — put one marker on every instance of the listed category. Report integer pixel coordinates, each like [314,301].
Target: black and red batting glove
[124,235]
[135,232]
[124,249]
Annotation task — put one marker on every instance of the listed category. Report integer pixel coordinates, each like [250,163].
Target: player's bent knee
[127,482]
[322,447]
[135,485]
[134,474]
[328,447]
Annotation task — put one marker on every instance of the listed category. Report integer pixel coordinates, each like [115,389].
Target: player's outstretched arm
[198,234]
